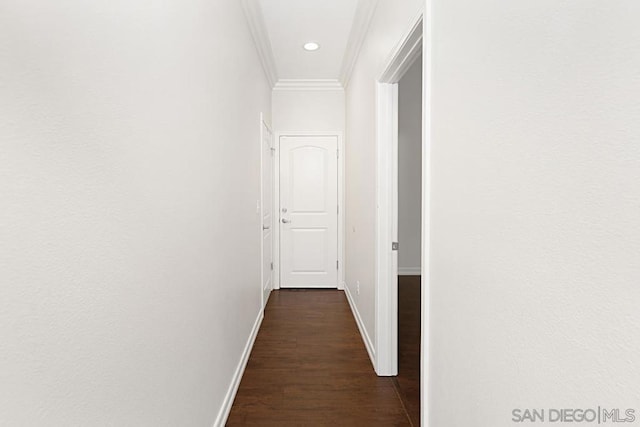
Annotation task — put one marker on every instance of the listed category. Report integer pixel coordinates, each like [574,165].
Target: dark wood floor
[309,367]
[408,379]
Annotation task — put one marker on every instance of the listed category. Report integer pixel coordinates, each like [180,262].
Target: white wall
[129,175]
[308,110]
[410,170]
[391,20]
[535,207]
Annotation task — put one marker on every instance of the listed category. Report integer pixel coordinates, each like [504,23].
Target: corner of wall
[368,343]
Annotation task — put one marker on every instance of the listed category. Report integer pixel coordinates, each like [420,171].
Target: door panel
[267,214]
[309,250]
[309,211]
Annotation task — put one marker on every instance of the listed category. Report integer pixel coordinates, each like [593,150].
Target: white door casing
[267,215]
[309,212]
[386,309]
[386,305]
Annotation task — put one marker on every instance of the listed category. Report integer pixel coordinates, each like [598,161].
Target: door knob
[265,227]
[285,221]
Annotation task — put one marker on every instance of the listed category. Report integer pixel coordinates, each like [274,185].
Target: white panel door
[267,213]
[309,212]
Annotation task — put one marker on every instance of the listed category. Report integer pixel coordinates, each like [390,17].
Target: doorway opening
[409,237]
[402,249]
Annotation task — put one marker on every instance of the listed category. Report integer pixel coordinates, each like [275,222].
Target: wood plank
[408,379]
[309,367]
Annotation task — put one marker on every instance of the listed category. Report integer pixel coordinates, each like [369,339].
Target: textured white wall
[391,21]
[308,110]
[410,169]
[129,175]
[535,208]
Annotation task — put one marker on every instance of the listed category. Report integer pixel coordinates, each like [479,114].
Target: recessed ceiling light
[311,46]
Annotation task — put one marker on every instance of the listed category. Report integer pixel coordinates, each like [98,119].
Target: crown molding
[361,22]
[317,84]
[255,19]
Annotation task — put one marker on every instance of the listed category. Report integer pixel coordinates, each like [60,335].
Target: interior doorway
[408,51]
[409,238]
[386,304]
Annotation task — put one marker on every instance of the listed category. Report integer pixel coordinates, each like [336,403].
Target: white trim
[409,271]
[223,414]
[386,296]
[263,125]
[405,53]
[276,211]
[425,350]
[386,288]
[300,84]
[361,22]
[342,234]
[341,203]
[261,39]
[363,331]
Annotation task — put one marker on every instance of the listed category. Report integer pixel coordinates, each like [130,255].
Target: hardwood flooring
[408,379]
[309,367]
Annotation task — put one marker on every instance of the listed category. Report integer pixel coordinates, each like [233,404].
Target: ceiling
[282,27]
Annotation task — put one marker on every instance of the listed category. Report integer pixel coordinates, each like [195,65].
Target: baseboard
[363,331]
[237,376]
[409,271]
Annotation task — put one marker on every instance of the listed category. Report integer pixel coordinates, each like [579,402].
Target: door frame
[405,53]
[341,202]
[263,124]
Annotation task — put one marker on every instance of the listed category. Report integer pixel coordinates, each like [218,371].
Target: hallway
[309,367]
[167,167]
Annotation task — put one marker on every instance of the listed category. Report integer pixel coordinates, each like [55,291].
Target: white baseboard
[365,336]
[409,271]
[223,414]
